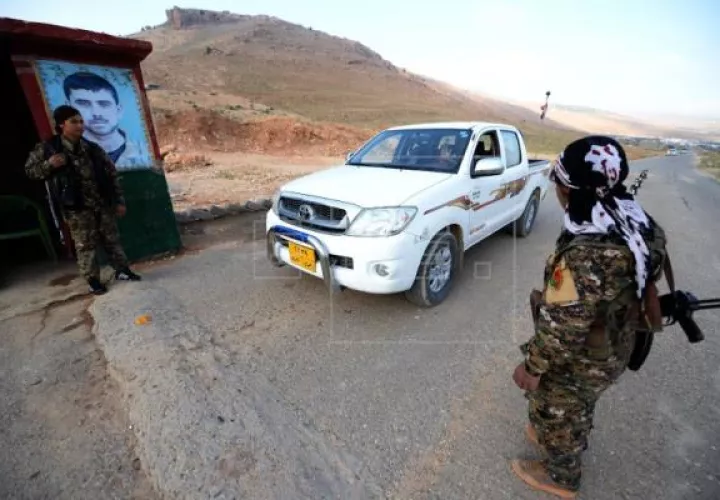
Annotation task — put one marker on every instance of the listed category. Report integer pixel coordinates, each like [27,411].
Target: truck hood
[365,186]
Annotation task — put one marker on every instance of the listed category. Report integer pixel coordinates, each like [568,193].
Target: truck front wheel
[437,271]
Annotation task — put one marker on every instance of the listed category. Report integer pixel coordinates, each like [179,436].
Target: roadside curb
[206,425]
[212,212]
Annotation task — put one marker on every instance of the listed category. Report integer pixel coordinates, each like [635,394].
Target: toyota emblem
[306,212]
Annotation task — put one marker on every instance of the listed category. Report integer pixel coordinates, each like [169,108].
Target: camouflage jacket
[88,179]
[579,283]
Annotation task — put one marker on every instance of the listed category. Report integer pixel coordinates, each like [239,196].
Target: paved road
[422,401]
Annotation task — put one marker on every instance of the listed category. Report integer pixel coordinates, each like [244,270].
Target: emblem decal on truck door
[463,202]
[512,188]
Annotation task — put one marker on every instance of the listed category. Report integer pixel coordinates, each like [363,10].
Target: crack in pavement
[686,203]
[47,309]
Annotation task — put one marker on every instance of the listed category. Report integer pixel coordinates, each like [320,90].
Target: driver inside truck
[451,151]
[445,155]
[486,146]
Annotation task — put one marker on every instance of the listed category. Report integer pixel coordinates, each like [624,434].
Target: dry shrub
[175,162]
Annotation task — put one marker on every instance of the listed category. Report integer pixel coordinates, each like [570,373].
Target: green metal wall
[149,227]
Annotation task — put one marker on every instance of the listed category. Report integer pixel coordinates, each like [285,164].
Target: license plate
[302,256]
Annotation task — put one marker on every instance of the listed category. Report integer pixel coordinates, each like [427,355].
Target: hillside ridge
[249,67]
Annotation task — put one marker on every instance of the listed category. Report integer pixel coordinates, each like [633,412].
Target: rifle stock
[535,299]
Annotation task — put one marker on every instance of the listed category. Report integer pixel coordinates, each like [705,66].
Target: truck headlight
[276,202]
[381,221]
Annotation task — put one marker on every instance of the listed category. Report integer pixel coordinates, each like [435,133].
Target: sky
[637,57]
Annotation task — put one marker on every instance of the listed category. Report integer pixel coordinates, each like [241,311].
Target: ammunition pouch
[598,344]
[596,337]
[67,190]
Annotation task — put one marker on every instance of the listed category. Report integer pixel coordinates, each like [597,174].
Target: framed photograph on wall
[109,101]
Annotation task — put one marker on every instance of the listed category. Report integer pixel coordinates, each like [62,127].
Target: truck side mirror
[484,166]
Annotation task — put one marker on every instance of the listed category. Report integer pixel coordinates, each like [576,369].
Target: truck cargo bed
[533,164]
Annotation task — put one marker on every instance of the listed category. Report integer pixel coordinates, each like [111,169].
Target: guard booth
[43,66]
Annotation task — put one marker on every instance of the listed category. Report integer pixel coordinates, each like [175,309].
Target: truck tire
[436,274]
[524,225]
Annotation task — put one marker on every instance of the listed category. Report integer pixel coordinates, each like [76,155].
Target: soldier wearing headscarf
[599,291]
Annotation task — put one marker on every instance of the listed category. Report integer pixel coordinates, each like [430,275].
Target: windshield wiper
[379,165]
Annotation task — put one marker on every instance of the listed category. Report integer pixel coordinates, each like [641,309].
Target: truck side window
[487,146]
[511,147]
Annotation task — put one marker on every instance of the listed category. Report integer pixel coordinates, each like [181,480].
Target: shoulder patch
[561,285]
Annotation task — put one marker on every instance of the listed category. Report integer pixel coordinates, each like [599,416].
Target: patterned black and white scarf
[593,169]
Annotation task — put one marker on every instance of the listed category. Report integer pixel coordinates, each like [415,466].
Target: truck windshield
[437,150]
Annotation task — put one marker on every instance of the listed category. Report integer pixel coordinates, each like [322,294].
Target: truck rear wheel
[436,274]
[524,225]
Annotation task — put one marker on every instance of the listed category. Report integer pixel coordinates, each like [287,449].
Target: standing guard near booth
[84,183]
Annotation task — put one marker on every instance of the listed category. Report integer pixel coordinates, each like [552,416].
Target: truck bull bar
[323,256]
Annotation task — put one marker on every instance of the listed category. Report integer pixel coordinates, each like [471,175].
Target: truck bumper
[275,244]
[371,265]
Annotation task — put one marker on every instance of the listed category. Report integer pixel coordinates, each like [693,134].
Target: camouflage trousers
[562,409]
[91,229]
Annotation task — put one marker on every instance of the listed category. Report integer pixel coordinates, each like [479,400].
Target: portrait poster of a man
[108,101]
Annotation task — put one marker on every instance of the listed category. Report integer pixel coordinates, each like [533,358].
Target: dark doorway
[18,136]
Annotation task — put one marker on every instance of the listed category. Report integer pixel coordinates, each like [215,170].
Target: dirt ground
[64,435]
[238,177]
[201,178]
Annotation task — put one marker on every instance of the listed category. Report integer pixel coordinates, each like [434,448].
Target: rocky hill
[178,18]
[241,67]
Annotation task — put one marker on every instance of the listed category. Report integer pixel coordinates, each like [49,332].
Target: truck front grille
[313,215]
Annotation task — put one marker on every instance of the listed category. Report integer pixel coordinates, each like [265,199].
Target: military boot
[534,474]
[96,287]
[126,274]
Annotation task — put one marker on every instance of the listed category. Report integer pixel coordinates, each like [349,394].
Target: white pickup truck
[399,215]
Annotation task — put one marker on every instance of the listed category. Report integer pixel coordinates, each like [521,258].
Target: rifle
[677,306]
[49,151]
[635,186]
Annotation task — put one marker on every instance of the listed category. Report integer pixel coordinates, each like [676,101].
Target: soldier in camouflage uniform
[85,185]
[599,291]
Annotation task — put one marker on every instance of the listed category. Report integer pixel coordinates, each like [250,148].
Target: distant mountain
[244,65]
[595,120]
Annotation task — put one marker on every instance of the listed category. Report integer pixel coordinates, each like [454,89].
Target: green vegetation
[710,162]
[640,152]
[546,142]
